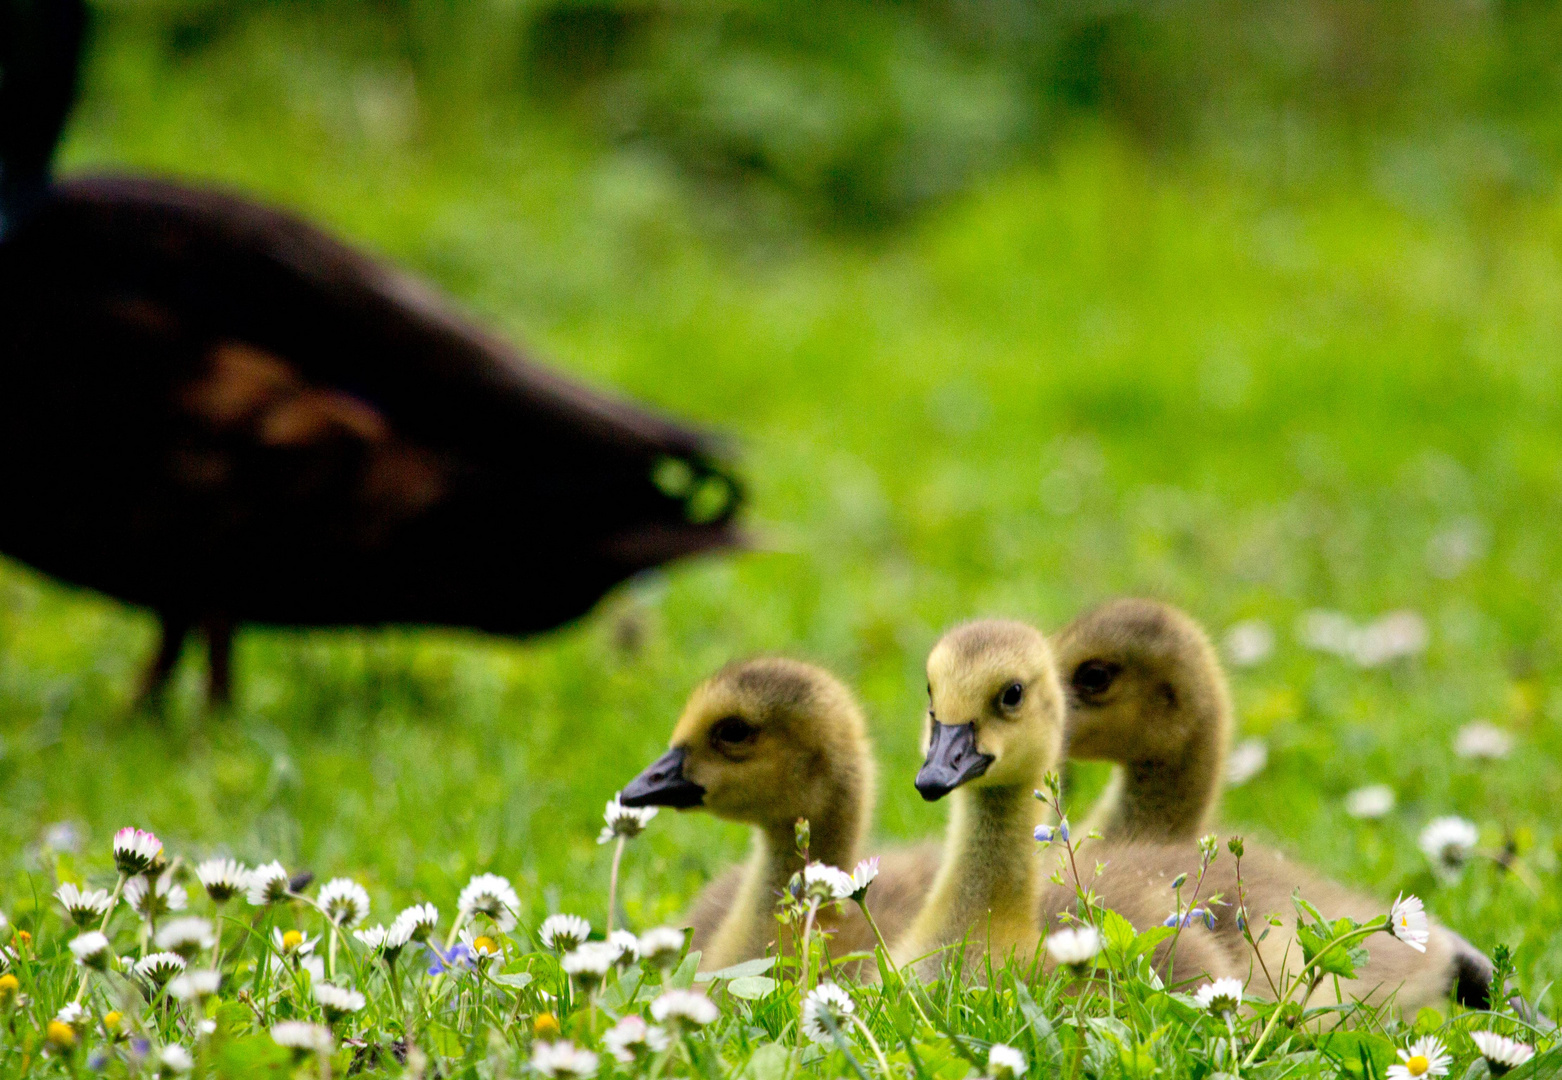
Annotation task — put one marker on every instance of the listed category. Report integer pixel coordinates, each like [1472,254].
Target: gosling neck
[989,881]
[1172,796]
[836,836]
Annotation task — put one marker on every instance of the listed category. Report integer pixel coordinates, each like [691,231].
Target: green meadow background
[1006,310]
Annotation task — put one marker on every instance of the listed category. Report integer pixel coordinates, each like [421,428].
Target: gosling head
[1143,682]
[995,709]
[764,742]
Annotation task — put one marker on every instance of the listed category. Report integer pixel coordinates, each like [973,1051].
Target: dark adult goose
[212,408]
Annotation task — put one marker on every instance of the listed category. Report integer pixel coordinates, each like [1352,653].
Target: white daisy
[83,907]
[561,933]
[187,936]
[135,851]
[174,1060]
[490,895]
[152,898]
[1074,947]
[195,985]
[1407,922]
[1448,842]
[1501,1053]
[157,968]
[417,921]
[826,999]
[337,1001]
[1326,631]
[293,942]
[661,946]
[1372,801]
[387,942]
[302,1036]
[1391,637]
[1424,1057]
[1222,995]
[825,883]
[344,901]
[73,1013]
[223,879]
[626,945]
[563,1059]
[684,1007]
[632,1037]
[482,947]
[1006,1063]
[1483,741]
[863,875]
[1247,759]
[624,821]
[268,884]
[1249,642]
[92,950]
[589,962]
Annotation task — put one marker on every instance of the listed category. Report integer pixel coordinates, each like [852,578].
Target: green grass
[1105,374]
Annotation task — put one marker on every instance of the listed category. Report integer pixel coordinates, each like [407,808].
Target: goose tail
[40,60]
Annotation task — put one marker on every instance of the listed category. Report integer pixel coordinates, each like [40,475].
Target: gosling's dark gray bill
[663,784]
[952,759]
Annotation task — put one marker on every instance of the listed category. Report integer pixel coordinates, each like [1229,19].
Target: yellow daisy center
[111,1020]
[545,1026]
[292,940]
[484,944]
[1418,1065]
[61,1034]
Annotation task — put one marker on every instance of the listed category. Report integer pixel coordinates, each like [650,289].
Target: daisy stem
[217,940]
[612,884]
[808,929]
[331,951]
[888,959]
[113,902]
[1360,933]
[874,1043]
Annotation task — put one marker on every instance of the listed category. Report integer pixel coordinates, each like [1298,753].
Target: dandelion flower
[1249,642]
[490,895]
[195,985]
[92,950]
[417,921]
[299,1035]
[1372,801]
[561,933]
[826,999]
[1220,996]
[1074,947]
[84,907]
[269,884]
[135,851]
[589,962]
[826,883]
[152,898]
[344,901]
[563,1059]
[157,968]
[623,821]
[1501,1053]
[187,936]
[1006,1063]
[1407,922]
[1247,759]
[1448,842]
[632,1038]
[174,1060]
[661,946]
[684,1007]
[625,945]
[1481,741]
[223,879]
[337,1001]
[1424,1057]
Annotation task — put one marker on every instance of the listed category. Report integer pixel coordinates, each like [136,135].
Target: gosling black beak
[663,784]
[952,759]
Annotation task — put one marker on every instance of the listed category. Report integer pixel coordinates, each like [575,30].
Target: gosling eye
[732,731]
[1095,677]
[1011,696]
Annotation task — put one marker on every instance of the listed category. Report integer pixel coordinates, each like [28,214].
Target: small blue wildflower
[1046,833]
[97,1060]
[1192,915]
[457,960]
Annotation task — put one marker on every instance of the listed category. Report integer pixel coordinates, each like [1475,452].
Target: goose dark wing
[212,406]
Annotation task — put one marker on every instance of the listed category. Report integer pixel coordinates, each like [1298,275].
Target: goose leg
[219,647]
[174,629]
